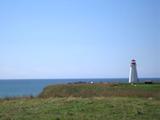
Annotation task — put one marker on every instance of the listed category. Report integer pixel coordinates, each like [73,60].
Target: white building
[133,78]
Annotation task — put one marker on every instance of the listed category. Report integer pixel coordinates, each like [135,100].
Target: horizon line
[74,78]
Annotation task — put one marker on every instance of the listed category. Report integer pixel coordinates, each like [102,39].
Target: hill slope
[102,90]
[87,102]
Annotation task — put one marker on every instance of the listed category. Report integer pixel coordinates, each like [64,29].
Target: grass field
[102,90]
[68,102]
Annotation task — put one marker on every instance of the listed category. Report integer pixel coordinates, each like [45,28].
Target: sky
[79,38]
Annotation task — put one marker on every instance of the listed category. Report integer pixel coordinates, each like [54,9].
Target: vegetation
[75,108]
[87,102]
[102,90]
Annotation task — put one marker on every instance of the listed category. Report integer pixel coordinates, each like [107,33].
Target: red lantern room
[133,61]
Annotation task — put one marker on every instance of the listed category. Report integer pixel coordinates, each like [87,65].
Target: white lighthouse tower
[133,72]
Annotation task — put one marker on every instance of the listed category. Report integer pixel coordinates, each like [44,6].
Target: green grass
[75,108]
[102,90]
[86,102]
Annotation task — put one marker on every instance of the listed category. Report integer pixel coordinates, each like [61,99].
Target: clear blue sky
[79,38]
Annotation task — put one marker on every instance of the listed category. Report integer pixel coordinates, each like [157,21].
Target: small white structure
[133,78]
[92,82]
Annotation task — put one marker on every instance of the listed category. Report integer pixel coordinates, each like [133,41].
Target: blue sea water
[27,87]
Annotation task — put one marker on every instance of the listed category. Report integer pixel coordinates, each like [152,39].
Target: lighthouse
[133,72]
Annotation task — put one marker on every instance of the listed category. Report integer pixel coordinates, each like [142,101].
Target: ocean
[28,87]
